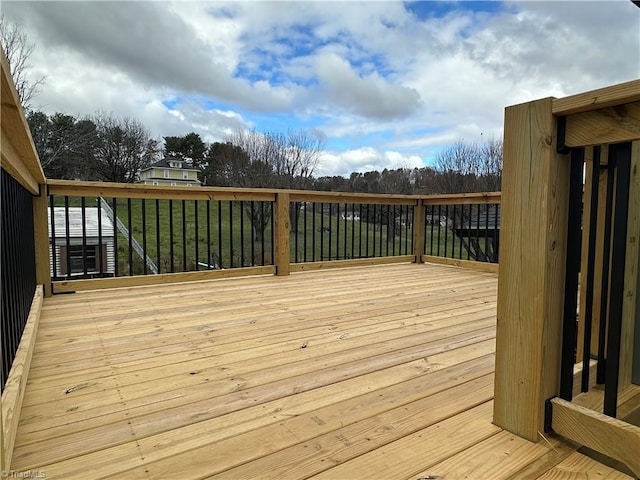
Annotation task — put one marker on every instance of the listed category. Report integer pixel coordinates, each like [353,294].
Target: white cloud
[364,159]
[375,77]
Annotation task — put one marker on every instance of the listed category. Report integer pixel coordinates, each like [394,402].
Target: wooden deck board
[350,373]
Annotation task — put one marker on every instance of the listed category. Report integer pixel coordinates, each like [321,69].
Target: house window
[166,174]
[185,175]
[155,182]
[188,184]
[72,257]
[173,184]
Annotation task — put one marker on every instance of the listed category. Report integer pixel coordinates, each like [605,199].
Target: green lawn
[226,239]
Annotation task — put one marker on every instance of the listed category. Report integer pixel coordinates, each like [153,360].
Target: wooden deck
[363,373]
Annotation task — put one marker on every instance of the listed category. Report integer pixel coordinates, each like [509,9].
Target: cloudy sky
[388,83]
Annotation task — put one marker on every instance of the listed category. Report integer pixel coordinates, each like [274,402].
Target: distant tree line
[108,148]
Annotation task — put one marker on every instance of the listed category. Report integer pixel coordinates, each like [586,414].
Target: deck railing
[18,267]
[99,232]
[567,296]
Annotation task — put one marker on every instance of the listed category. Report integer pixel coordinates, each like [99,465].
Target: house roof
[165,163]
[75,222]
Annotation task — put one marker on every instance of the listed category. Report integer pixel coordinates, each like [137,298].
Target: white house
[96,254]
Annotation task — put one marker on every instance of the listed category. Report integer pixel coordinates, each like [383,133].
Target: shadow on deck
[377,372]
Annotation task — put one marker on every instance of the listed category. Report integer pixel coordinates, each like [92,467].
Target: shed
[88,251]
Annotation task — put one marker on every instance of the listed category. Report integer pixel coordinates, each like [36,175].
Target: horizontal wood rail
[462,198]
[610,436]
[71,286]
[613,95]
[483,266]
[616,124]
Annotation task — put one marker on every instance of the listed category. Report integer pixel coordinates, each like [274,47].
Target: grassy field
[220,235]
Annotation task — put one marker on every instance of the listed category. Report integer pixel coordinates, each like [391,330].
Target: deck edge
[13,393]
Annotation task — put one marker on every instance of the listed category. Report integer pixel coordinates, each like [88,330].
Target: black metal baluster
[171,252]
[54,255]
[83,213]
[67,234]
[432,225]
[253,234]
[208,234]
[446,230]
[381,225]
[330,228]
[337,231]
[353,230]
[220,234]
[262,217]
[130,239]
[322,231]
[241,233]
[273,254]
[231,249]
[346,225]
[571,274]
[486,234]
[373,237]
[144,235]
[439,229]
[468,231]
[604,295]
[591,259]
[360,234]
[158,253]
[100,248]
[622,163]
[294,225]
[184,235]
[197,233]
[453,234]
[478,233]
[306,204]
[313,233]
[367,233]
[393,231]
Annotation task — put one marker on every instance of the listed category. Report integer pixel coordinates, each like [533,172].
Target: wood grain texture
[629,314]
[418,232]
[23,157]
[13,164]
[532,261]
[282,237]
[358,262]
[580,467]
[41,241]
[454,262]
[327,373]
[160,279]
[614,438]
[622,93]
[607,125]
[16,384]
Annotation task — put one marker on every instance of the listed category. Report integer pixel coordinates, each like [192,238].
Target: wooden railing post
[282,236]
[41,240]
[418,231]
[532,261]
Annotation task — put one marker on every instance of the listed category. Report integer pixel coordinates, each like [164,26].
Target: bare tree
[124,146]
[469,167]
[18,49]
[491,165]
